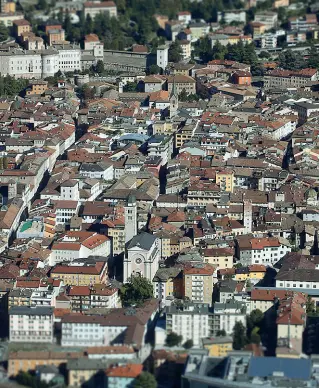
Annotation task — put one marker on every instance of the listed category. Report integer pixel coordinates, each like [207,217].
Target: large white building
[264,250]
[142,257]
[227,314]
[192,321]
[77,245]
[40,63]
[31,324]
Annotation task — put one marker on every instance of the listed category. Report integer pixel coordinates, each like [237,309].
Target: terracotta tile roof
[75,269]
[207,269]
[104,4]
[79,291]
[129,370]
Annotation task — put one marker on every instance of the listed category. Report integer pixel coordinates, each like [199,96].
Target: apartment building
[193,321]
[97,330]
[168,283]
[162,146]
[219,257]
[181,82]
[31,324]
[226,180]
[76,245]
[268,18]
[264,250]
[227,314]
[202,193]
[83,273]
[198,283]
[289,79]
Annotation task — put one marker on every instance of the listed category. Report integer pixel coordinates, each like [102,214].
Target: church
[142,256]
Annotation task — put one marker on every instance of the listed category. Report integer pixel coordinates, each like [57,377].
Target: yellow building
[81,275]
[164,128]
[29,360]
[225,179]
[183,135]
[116,230]
[219,346]
[198,283]
[168,282]
[258,28]
[20,26]
[219,257]
[37,87]
[254,272]
[9,7]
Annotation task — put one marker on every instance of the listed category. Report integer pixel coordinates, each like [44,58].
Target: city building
[142,256]
[193,321]
[31,324]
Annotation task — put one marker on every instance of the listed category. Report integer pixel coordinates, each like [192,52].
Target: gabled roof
[143,240]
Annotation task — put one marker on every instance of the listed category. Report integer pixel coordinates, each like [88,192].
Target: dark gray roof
[143,240]
[23,310]
[299,369]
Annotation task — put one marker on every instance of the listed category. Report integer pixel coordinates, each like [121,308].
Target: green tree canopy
[239,336]
[188,344]
[173,339]
[221,333]
[175,52]
[145,380]
[130,87]
[99,68]
[4,33]
[291,60]
[136,291]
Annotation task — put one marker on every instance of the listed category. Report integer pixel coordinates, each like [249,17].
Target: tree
[154,69]
[145,380]
[173,339]
[188,344]
[175,52]
[255,337]
[291,60]
[4,34]
[239,336]
[43,5]
[313,60]
[136,291]
[221,333]
[29,380]
[99,68]
[183,96]
[130,87]
[254,322]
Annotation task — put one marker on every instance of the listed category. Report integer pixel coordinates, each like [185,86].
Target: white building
[28,324]
[99,170]
[65,210]
[227,314]
[264,250]
[232,16]
[268,18]
[77,245]
[268,41]
[70,190]
[40,63]
[160,145]
[162,57]
[94,8]
[142,257]
[191,321]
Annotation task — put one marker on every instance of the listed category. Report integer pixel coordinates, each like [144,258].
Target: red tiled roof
[129,370]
